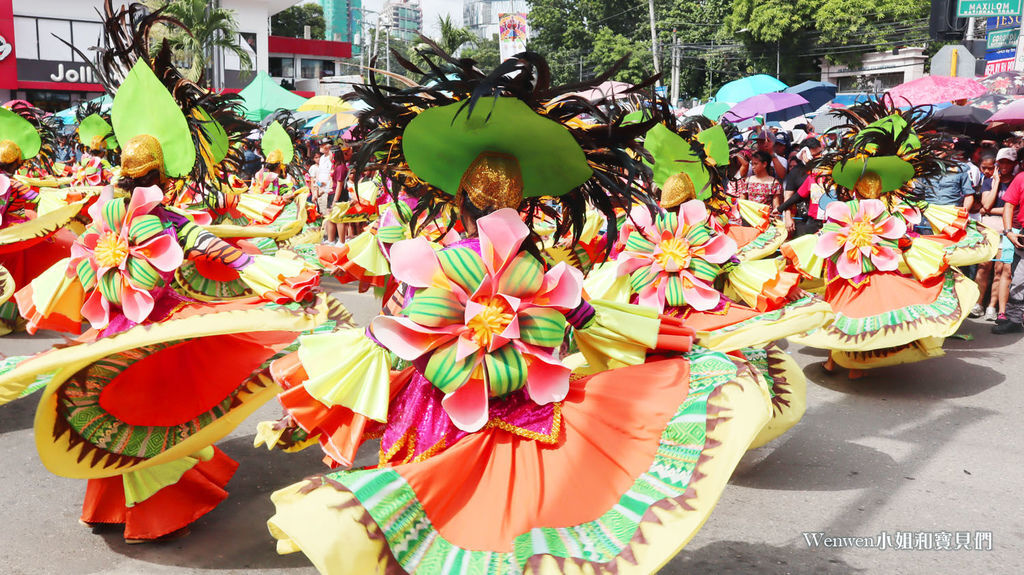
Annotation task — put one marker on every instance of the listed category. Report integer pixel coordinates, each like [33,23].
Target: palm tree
[453,37]
[212,29]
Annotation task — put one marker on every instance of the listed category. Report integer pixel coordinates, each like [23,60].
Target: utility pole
[675,69]
[654,40]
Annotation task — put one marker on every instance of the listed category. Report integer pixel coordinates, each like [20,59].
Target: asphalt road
[905,457]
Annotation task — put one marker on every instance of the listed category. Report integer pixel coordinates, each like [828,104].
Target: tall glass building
[343,19]
[405,17]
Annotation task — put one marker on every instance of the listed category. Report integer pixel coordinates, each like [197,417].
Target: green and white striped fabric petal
[86,274]
[638,243]
[463,266]
[674,291]
[110,286]
[698,235]
[435,307]
[445,372]
[144,228]
[666,222]
[506,370]
[143,274]
[642,278]
[113,213]
[541,326]
[704,269]
[523,276]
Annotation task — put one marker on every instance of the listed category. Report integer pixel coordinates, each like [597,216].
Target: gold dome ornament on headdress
[9,152]
[493,181]
[678,188]
[141,155]
[275,157]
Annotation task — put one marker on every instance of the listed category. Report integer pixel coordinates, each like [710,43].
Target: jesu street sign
[971,8]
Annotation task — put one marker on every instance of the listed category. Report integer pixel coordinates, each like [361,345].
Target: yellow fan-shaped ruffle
[755,214]
[365,252]
[801,253]
[265,274]
[619,335]
[926,258]
[761,284]
[347,368]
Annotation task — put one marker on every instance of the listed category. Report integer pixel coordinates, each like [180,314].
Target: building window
[25,38]
[51,48]
[310,68]
[281,67]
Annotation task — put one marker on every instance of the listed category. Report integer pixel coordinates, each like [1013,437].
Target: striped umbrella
[334,124]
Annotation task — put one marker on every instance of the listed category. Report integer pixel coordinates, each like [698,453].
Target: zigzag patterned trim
[945,308]
[415,545]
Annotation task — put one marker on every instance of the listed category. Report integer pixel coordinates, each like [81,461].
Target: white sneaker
[977,310]
[990,314]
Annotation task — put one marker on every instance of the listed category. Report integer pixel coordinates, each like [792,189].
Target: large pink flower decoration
[861,236]
[121,254]
[486,322]
[678,259]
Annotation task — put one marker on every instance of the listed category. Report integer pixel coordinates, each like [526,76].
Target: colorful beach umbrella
[326,104]
[1005,83]
[711,110]
[739,90]
[935,90]
[334,124]
[763,104]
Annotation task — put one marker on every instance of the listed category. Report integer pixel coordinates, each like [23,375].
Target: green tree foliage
[292,22]
[720,40]
[212,28]
[485,52]
[453,37]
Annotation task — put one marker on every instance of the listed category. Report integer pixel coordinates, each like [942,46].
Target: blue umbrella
[817,94]
[739,90]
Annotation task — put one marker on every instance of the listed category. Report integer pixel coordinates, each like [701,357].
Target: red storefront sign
[1004,65]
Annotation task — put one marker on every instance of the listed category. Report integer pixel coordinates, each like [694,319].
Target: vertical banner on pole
[512,33]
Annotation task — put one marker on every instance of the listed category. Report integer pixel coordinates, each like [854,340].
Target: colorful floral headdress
[534,144]
[690,158]
[96,133]
[882,151]
[211,121]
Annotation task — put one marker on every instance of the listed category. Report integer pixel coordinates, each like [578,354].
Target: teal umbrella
[263,96]
[739,90]
[67,115]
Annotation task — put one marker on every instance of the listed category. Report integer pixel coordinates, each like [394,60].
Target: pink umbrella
[610,89]
[762,104]
[935,90]
[1012,115]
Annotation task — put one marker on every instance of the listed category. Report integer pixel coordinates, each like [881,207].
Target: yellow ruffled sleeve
[926,258]
[604,283]
[800,252]
[619,335]
[349,369]
[761,284]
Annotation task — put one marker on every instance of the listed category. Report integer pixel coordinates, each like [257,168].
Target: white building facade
[45,71]
[878,71]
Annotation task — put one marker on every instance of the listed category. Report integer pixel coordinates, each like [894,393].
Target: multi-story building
[343,19]
[481,16]
[37,66]
[404,18]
